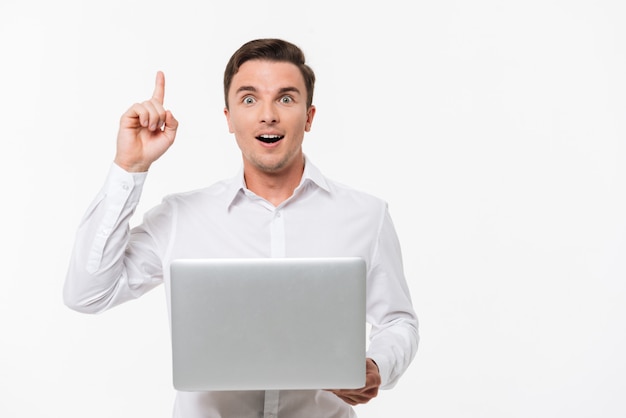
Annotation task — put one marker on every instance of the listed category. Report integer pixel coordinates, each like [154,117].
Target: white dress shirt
[112,264]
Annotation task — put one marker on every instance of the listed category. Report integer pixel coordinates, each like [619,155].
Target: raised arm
[146,131]
[111,264]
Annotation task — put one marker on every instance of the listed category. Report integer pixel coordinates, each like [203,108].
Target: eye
[248,100]
[286,99]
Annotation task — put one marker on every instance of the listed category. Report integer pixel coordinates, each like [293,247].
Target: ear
[227,114]
[310,114]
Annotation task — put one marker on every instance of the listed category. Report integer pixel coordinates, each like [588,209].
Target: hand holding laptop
[367,392]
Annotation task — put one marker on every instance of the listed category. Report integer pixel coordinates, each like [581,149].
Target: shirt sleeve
[394,333]
[109,263]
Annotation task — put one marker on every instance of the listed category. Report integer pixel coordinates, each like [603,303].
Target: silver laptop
[268,323]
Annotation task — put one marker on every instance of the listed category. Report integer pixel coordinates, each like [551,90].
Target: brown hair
[270,49]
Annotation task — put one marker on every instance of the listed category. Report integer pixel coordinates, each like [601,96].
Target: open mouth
[269,139]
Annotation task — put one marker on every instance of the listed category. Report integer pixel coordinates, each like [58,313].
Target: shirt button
[278,215]
[125,186]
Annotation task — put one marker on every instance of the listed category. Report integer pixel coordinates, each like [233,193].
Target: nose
[269,113]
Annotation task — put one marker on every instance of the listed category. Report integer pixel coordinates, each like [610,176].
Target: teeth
[269,138]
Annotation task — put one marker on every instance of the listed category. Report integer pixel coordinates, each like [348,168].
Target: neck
[274,187]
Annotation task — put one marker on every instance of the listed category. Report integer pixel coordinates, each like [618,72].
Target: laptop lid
[268,323]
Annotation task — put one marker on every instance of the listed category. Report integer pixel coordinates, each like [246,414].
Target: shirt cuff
[118,177]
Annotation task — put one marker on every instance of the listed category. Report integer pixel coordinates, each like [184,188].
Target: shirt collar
[236,186]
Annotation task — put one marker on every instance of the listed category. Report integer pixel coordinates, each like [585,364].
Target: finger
[170,127]
[171,124]
[136,115]
[348,401]
[159,87]
[155,115]
[351,400]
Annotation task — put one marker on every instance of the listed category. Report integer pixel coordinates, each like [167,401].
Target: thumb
[171,124]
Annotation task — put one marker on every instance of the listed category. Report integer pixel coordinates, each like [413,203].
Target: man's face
[267,114]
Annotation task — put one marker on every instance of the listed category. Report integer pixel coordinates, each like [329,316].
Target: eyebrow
[245,88]
[253,89]
[288,90]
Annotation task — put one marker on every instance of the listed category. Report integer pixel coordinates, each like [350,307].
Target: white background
[494,129]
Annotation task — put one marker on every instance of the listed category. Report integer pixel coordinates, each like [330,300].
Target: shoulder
[355,203]
[337,190]
[206,199]
[213,191]
[344,191]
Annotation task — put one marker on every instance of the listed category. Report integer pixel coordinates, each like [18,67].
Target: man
[279,205]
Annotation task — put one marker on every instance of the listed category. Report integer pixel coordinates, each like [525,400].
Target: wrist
[131,168]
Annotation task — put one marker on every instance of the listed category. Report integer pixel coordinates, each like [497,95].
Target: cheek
[240,122]
[234,125]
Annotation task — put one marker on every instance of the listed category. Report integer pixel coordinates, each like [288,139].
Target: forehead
[268,76]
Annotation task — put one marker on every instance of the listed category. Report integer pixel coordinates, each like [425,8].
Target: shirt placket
[277,242]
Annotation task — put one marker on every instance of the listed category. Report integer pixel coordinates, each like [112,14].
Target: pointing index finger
[159,87]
